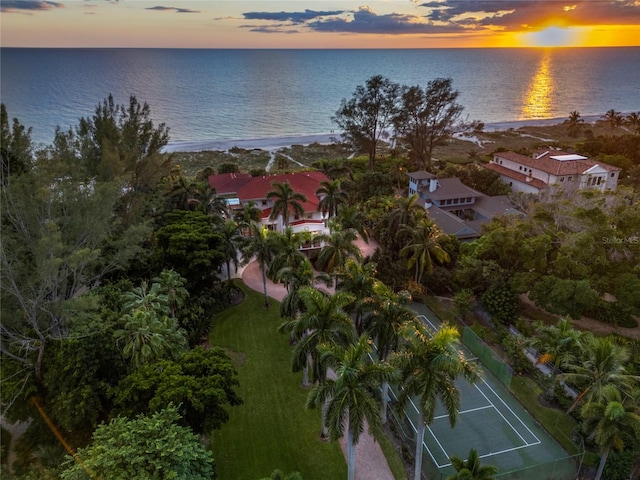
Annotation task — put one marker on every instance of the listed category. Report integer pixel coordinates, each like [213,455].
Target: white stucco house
[549,170]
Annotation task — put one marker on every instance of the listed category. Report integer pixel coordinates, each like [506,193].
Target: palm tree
[285,199]
[295,278]
[574,123]
[471,469]
[338,248]
[287,252]
[322,321]
[331,196]
[359,280]
[231,242]
[602,362]
[429,366]
[152,299]
[350,398]
[423,247]
[148,337]
[390,314]
[559,343]
[250,213]
[610,421]
[615,119]
[632,121]
[172,284]
[352,217]
[408,212]
[260,246]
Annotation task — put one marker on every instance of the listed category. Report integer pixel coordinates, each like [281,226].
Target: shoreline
[276,143]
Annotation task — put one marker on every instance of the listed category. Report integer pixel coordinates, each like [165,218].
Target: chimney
[433,184]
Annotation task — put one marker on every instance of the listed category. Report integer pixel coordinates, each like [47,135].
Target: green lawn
[272,429]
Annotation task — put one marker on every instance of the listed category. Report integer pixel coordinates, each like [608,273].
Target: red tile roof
[518,176]
[246,187]
[543,160]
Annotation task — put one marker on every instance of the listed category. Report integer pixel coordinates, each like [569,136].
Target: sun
[550,37]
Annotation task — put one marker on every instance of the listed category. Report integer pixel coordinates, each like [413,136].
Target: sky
[319,23]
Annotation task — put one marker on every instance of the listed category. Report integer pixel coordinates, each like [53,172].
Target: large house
[549,170]
[238,189]
[457,209]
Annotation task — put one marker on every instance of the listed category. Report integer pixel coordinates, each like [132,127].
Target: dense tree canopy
[145,447]
[201,382]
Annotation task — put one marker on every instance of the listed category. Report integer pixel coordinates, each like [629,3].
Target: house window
[570,179]
[520,168]
[511,184]
[599,180]
[469,199]
[264,202]
[562,179]
[613,175]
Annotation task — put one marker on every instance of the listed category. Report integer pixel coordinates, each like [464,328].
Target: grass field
[272,429]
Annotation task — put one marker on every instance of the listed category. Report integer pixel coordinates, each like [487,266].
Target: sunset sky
[319,23]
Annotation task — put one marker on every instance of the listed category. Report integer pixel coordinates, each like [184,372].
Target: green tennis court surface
[493,423]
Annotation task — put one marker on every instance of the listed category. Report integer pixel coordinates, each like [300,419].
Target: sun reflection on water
[537,100]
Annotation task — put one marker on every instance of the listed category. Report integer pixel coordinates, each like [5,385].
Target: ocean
[223,95]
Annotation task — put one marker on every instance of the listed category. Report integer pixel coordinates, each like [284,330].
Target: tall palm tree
[429,366]
[350,398]
[558,343]
[602,362]
[295,278]
[250,213]
[338,248]
[285,200]
[287,250]
[390,314]
[408,212]
[322,321]
[632,121]
[231,242]
[423,247]
[574,123]
[150,299]
[615,119]
[350,216]
[359,280]
[260,247]
[331,196]
[471,468]
[610,420]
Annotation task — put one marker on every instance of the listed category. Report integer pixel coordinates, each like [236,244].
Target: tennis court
[493,423]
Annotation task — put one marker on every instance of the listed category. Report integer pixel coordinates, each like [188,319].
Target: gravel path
[371,463]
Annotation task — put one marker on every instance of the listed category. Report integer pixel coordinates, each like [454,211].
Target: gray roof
[450,188]
[491,206]
[452,225]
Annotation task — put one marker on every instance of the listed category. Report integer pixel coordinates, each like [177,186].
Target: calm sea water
[205,95]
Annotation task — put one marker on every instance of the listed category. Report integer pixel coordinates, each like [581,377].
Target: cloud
[27,6]
[293,17]
[173,9]
[516,14]
[365,20]
[273,29]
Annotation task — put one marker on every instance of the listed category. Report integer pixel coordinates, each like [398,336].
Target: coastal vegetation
[120,317]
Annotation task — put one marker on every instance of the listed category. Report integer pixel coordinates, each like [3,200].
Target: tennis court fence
[489,359]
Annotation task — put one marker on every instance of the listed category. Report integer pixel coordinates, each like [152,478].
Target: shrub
[514,348]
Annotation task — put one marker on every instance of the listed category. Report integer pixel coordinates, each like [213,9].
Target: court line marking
[491,405]
[461,412]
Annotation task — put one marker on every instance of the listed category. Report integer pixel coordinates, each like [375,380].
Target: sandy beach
[274,143]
